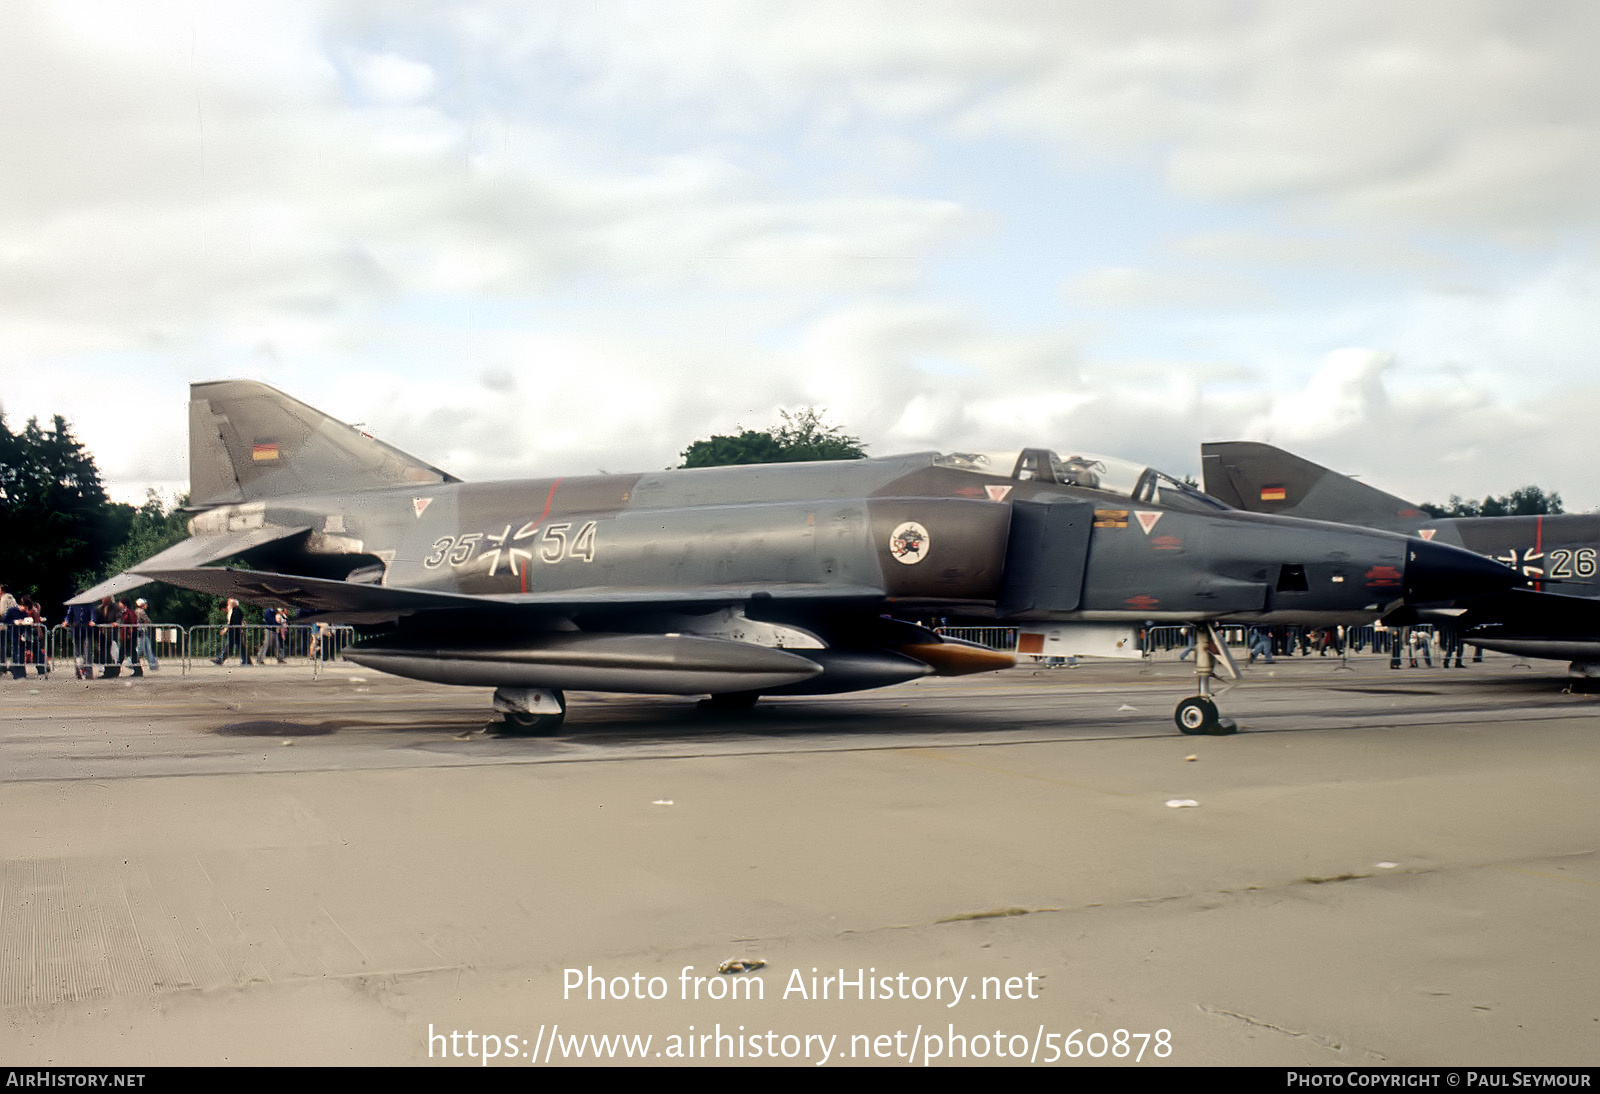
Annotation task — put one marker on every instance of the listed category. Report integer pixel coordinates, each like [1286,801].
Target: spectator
[146,647]
[234,612]
[127,633]
[34,632]
[275,640]
[106,618]
[1260,644]
[80,617]
[1421,642]
[12,620]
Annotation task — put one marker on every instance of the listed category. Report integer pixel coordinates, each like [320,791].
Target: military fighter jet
[738,582]
[1558,618]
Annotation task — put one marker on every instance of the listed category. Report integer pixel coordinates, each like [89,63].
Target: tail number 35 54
[552,543]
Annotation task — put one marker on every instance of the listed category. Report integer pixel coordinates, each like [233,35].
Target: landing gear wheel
[528,710]
[523,723]
[1197,715]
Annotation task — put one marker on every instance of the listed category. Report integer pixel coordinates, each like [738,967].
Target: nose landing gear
[1197,715]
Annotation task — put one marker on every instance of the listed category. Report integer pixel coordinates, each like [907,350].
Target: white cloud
[1474,118]
[1124,287]
[1346,393]
[652,222]
[391,79]
[1314,252]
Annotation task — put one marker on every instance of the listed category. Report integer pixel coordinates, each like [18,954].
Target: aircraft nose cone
[1437,572]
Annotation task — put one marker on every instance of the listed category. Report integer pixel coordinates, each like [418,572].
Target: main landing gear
[1198,713]
[530,710]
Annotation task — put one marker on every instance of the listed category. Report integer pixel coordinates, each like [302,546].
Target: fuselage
[926,537]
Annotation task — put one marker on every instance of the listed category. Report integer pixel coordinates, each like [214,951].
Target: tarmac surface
[265,866]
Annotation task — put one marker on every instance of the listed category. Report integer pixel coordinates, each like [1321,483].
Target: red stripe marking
[1538,547]
[550,497]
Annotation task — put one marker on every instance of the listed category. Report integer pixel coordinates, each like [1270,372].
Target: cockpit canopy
[1107,474]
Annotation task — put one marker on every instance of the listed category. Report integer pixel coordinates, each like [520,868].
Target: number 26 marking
[1567,562]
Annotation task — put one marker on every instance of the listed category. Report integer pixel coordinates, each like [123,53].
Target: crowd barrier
[1169,642]
[1003,639]
[109,649]
[35,651]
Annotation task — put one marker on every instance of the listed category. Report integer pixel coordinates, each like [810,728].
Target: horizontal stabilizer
[346,601]
[194,551]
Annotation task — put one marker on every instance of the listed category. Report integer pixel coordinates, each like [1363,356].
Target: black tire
[731,702]
[1196,715]
[524,724]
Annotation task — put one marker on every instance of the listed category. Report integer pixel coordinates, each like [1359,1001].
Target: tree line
[1530,501]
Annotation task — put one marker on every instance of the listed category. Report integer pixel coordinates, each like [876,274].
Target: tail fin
[1259,478]
[248,441]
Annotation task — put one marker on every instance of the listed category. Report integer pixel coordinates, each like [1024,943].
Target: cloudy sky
[551,238]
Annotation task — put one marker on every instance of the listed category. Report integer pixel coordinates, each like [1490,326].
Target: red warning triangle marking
[419,504]
[1147,519]
[1427,533]
[997,493]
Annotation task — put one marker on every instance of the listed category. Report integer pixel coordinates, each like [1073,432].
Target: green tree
[154,528]
[1525,502]
[801,438]
[56,523]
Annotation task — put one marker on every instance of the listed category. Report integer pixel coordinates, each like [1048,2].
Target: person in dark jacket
[12,622]
[235,634]
[80,617]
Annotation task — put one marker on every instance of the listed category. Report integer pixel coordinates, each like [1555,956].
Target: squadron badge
[909,543]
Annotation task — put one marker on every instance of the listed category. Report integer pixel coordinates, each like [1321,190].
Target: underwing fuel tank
[663,664]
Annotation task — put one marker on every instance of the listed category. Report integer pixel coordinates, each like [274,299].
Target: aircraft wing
[349,601]
[335,601]
[194,551]
[1525,611]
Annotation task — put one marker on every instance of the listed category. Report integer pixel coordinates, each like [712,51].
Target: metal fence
[1169,642]
[996,638]
[107,649]
[314,643]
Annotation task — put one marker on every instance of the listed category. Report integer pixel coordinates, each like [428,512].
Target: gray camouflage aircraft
[737,582]
[1560,550]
